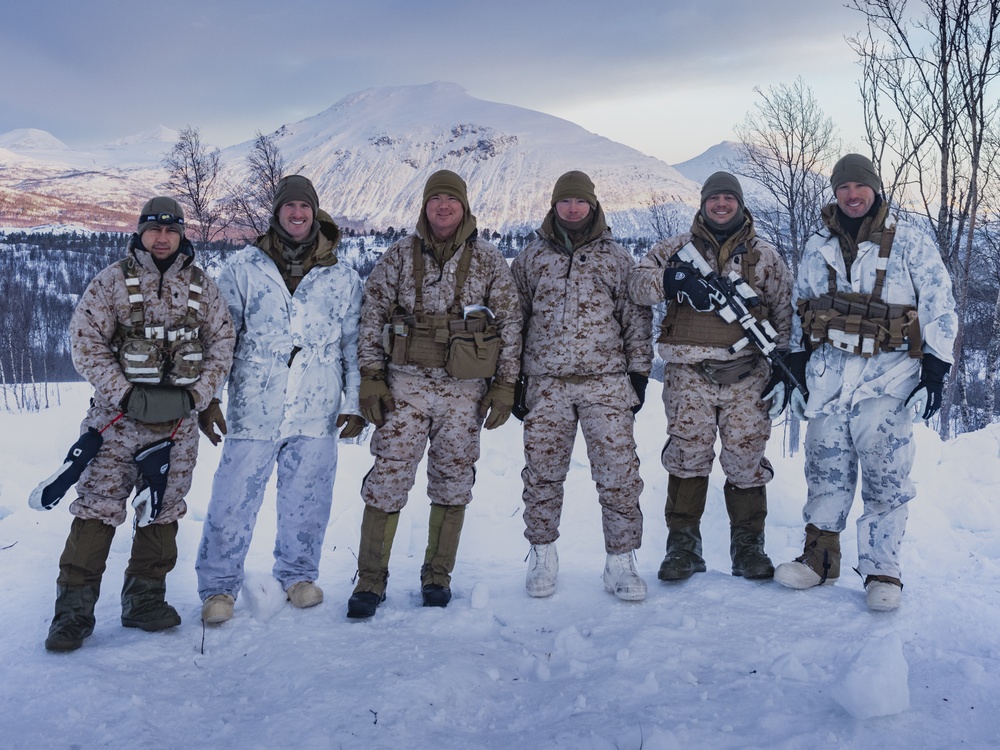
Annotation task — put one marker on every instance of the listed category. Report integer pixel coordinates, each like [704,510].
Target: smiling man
[439,348]
[708,387]
[873,341]
[292,392]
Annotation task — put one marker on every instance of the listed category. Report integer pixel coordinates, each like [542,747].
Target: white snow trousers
[876,434]
[306,471]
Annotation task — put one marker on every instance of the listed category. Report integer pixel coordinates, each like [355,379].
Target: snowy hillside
[716,662]
[369,155]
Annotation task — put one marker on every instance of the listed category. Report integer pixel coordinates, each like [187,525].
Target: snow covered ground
[714,662]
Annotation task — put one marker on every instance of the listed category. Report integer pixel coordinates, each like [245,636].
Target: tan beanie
[295,187]
[574,184]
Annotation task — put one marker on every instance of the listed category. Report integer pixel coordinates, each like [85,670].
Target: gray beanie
[295,187]
[855,168]
[160,210]
[721,182]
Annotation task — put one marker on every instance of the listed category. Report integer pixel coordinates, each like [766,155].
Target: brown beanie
[574,185]
[721,182]
[161,210]
[294,187]
[855,168]
[447,182]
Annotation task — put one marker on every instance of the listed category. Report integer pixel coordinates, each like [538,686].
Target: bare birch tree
[194,178]
[927,88]
[786,143]
[249,201]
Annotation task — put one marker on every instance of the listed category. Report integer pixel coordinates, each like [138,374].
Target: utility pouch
[185,362]
[395,335]
[141,360]
[473,349]
[720,372]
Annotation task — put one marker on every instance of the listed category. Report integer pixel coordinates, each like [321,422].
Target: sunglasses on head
[162,219]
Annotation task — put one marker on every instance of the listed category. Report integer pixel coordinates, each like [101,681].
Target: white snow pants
[306,471]
[876,434]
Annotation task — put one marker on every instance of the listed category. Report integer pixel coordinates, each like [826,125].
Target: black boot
[154,554]
[443,532]
[74,618]
[78,586]
[144,605]
[686,498]
[747,510]
[378,529]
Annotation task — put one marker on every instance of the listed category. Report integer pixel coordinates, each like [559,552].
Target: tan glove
[498,401]
[374,396]
[354,425]
[210,418]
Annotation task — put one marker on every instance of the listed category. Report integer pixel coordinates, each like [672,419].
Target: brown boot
[747,510]
[154,554]
[443,532]
[78,586]
[685,506]
[818,564]
[378,529]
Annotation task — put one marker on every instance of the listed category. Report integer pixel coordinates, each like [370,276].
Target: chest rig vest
[682,324]
[463,341]
[860,323]
[156,354]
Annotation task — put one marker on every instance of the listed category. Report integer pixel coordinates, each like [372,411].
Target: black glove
[639,383]
[687,286]
[926,397]
[520,410]
[51,491]
[154,467]
[796,362]
[153,404]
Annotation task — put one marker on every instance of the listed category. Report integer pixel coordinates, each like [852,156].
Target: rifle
[732,297]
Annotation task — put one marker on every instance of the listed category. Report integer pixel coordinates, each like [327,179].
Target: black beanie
[160,207]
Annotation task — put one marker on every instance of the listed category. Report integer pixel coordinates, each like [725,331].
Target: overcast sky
[669,78]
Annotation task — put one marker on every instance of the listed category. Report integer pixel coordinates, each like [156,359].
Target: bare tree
[249,201]
[194,177]
[926,78]
[664,216]
[786,142]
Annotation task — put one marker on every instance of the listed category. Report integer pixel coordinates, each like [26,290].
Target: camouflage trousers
[441,411]
[306,471]
[602,407]
[696,409]
[877,435]
[107,485]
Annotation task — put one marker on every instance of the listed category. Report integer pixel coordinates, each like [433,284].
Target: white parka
[268,399]
[916,276]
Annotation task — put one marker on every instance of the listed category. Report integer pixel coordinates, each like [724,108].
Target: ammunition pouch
[152,358]
[860,324]
[467,348]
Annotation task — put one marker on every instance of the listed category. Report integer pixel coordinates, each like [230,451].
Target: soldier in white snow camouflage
[711,389]
[154,338]
[873,343]
[293,388]
[586,360]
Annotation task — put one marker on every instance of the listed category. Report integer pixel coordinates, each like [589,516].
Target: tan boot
[378,529]
[747,510]
[685,506]
[217,609]
[444,529]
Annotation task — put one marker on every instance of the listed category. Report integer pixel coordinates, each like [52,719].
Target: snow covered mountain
[369,156]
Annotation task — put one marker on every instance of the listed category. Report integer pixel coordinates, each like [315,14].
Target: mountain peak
[31,139]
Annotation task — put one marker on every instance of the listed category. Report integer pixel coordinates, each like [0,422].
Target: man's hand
[374,396]
[352,424]
[210,418]
[498,402]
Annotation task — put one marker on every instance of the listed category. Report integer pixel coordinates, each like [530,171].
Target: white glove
[797,404]
[777,398]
